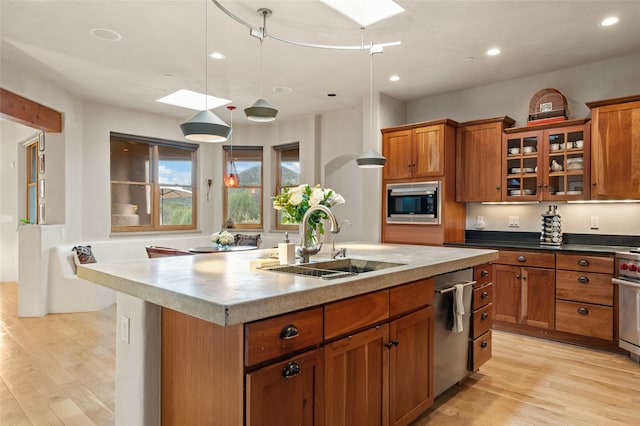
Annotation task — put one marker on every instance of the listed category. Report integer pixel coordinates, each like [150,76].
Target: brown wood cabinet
[547,162]
[481,317]
[615,148]
[584,295]
[525,288]
[479,159]
[416,153]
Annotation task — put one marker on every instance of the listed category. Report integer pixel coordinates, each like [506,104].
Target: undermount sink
[331,269]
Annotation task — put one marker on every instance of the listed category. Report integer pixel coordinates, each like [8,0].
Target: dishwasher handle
[452,288]
[625,282]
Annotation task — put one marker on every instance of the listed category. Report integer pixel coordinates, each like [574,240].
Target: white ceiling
[161,38]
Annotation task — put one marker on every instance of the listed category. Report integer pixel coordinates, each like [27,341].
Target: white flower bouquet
[223,238]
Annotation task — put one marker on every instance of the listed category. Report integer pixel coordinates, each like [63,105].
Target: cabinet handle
[517,276]
[289,331]
[583,262]
[498,188]
[583,279]
[484,316]
[593,184]
[395,342]
[583,311]
[292,369]
[484,295]
[484,273]
[484,344]
[388,345]
[521,259]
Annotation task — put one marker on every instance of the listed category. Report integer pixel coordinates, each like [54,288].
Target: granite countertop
[223,288]
[582,243]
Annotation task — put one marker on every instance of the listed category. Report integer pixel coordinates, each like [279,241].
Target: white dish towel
[458,308]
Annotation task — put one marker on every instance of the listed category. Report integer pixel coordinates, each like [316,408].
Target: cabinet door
[570,148]
[356,379]
[507,293]
[428,153]
[539,289]
[615,148]
[479,163]
[287,393]
[397,147]
[411,366]
[522,153]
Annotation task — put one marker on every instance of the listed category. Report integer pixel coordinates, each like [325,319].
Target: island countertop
[222,288]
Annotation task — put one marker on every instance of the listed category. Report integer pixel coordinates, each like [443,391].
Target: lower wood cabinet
[287,393]
[481,317]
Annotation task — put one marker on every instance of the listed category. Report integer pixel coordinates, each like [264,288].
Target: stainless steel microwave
[415,202]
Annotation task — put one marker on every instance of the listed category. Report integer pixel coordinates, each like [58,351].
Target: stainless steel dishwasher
[451,352]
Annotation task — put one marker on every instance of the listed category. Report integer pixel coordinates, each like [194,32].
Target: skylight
[365,12]
[193,100]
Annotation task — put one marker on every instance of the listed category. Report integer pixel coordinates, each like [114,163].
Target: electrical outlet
[124,329]
[595,222]
[514,221]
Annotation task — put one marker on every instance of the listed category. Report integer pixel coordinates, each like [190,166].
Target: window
[32,183]
[243,204]
[288,174]
[153,184]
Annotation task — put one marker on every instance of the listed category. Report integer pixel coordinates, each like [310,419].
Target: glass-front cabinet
[547,162]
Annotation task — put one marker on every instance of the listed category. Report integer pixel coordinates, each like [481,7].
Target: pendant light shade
[231,178]
[205,126]
[371,159]
[261,111]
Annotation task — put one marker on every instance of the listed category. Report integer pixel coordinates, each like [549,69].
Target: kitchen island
[190,320]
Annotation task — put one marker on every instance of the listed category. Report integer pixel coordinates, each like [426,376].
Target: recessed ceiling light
[493,51]
[611,20]
[217,55]
[283,90]
[193,100]
[365,12]
[469,58]
[105,34]
[394,78]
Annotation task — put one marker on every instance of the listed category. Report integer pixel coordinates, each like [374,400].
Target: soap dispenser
[286,251]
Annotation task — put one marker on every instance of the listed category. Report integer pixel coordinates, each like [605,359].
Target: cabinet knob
[395,342]
[484,316]
[518,276]
[498,188]
[593,184]
[583,262]
[292,369]
[484,273]
[289,331]
[484,344]
[583,279]
[388,345]
[484,295]
[583,311]
[521,259]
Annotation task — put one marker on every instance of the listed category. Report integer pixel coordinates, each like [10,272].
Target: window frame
[153,145]
[278,150]
[32,161]
[225,191]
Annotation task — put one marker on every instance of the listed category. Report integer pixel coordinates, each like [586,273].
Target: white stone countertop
[222,287]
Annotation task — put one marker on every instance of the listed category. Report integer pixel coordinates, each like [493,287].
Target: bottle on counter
[286,251]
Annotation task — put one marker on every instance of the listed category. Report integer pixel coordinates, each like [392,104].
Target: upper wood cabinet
[547,162]
[615,172]
[417,150]
[479,159]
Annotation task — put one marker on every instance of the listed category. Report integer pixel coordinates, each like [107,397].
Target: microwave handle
[408,191]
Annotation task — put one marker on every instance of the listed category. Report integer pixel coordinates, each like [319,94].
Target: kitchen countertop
[222,288]
[583,243]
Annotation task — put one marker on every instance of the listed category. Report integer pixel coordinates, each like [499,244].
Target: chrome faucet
[341,252]
[303,251]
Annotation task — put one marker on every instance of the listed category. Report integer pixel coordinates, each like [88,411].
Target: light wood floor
[59,370]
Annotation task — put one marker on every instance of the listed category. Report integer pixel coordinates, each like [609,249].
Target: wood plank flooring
[59,370]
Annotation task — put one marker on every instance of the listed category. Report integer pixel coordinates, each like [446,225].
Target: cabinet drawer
[482,320]
[482,296]
[481,351]
[584,287]
[578,262]
[277,336]
[346,316]
[527,258]
[410,296]
[482,275]
[585,319]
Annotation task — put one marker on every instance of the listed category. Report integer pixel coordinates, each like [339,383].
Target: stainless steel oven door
[629,315]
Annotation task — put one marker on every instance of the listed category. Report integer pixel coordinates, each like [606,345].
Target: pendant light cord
[371,90]
[206,61]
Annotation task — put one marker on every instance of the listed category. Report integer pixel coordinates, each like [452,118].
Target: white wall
[601,80]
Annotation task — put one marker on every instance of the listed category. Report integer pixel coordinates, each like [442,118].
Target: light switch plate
[595,222]
[514,221]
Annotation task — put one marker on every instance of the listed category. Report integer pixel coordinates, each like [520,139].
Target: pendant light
[231,177]
[205,126]
[371,159]
[261,110]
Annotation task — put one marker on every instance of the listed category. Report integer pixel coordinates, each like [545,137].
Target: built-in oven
[627,278]
[415,202]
